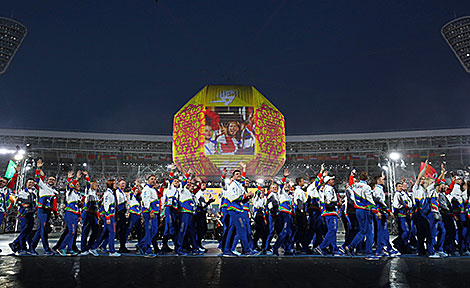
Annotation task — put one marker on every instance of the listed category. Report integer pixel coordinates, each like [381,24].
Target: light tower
[457,35]
[12,34]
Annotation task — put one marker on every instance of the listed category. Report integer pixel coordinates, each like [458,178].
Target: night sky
[329,66]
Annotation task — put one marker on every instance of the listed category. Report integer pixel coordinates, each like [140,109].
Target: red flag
[430,172]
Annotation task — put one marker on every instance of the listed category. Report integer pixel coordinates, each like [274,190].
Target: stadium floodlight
[7,151]
[84,164]
[21,152]
[457,35]
[394,156]
[18,157]
[259,181]
[12,34]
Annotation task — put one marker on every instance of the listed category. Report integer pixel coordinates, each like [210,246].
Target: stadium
[131,155]
[228,199]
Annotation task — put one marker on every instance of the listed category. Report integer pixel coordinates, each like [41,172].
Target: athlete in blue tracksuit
[383,236]
[286,210]
[186,210]
[107,213]
[223,211]
[6,187]
[135,211]
[27,206]
[259,212]
[150,210]
[272,210]
[314,231]
[458,199]
[200,218]
[170,206]
[47,194]
[443,211]
[90,216]
[330,211]
[365,206]
[236,196]
[71,214]
[122,224]
[422,216]
[401,206]
[247,222]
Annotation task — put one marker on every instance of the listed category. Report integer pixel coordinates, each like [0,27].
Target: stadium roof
[379,135]
[291,138]
[85,135]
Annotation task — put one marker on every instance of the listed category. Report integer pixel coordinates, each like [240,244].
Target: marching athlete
[46,200]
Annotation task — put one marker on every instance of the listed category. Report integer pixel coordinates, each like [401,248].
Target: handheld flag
[429,172]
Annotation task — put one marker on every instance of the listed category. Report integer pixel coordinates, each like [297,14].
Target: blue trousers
[43,216]
[383,236]
[151,229]
[133,220]
[423,233]
[237,225]
[170,222]
[71,220]
[441,236]
[246,221]
[226,222]
[285,235]
[26,226]
[110,231]
[271,231]
[313,234]
[433,230]
[366,229]
[249,233]
[186,229]
[405,230]
[89,222]
[330,237]
[462,232]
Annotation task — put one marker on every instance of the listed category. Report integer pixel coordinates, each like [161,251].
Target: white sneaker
[236,253]
[115,254]
[86,253]
[372,258]
[442,254]
[394,253]
[94,252]
[434,256]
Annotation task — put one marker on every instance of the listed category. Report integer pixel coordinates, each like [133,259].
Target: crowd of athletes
[168,215]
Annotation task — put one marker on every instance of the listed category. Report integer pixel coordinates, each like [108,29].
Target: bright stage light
[394,156]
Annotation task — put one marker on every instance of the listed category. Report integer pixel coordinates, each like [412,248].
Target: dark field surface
[232,272]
